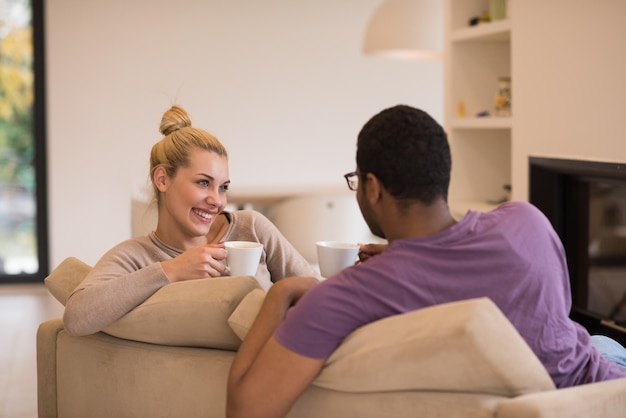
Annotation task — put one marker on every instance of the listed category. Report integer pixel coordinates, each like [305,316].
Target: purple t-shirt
[511,255]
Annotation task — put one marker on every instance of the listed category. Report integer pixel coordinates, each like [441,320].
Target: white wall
[282,83]
[569,69]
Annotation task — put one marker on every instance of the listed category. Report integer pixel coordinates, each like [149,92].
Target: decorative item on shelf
[505,198]
[507,188]
[460,109]
[497,9]
[484,17]
[503,97]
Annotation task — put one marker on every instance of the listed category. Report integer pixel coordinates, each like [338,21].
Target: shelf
[476,58]
[481,123]
[493,31]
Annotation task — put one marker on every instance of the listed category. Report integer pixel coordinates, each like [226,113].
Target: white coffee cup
[243,257]
[334,256]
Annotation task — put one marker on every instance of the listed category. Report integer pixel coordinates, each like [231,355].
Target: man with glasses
[511,255]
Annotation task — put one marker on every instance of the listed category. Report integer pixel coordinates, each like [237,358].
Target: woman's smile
[203,215]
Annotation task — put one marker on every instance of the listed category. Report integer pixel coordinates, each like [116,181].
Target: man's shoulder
[363,277]
[525,216]
[519,208]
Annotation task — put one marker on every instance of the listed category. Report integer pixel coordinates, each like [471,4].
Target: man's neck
[418,220]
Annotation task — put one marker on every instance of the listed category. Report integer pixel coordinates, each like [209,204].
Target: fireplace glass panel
[585,201]
[607,250]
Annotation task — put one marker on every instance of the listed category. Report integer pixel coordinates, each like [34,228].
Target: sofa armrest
[599,400]
[47,367]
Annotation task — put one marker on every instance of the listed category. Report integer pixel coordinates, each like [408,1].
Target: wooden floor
[22,308]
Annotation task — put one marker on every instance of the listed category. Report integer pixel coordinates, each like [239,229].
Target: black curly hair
[409,153]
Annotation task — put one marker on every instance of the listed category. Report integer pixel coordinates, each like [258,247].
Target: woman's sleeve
[283,260]
[119,282]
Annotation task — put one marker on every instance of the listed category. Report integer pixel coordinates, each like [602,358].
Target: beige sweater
[131,272]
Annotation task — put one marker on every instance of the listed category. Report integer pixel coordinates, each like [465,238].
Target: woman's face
[192,199]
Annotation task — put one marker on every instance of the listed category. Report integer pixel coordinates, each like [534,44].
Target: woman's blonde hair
[172,151]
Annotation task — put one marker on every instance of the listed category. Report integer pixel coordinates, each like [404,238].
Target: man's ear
[160,179]
[373,188]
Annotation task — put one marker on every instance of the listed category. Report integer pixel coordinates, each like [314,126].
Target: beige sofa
[171,355]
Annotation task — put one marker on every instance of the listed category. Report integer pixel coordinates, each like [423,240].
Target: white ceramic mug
[334,256]
[243,257]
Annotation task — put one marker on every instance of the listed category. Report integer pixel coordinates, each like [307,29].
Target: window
[23,200]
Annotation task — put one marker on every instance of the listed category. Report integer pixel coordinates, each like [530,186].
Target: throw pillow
[246,312]
[66,277]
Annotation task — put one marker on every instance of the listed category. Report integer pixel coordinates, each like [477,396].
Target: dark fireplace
[586,203]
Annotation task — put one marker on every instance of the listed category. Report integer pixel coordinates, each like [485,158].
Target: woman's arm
[281,258]
[129,274]
[119,282]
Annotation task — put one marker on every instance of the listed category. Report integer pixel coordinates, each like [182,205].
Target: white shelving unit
[476,57]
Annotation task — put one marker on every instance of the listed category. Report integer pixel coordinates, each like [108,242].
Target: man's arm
[266,378]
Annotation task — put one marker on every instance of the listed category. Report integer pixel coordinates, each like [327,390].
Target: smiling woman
[190,178]
[23,220]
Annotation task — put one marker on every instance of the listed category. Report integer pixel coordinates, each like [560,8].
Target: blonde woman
[190,178]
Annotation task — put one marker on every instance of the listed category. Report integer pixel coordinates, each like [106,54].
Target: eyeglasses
[353,180]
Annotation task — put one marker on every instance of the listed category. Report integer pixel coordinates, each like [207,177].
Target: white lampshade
[408,29]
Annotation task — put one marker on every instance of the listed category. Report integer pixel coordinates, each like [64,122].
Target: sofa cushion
[191,313]
[246,312]
[466,346]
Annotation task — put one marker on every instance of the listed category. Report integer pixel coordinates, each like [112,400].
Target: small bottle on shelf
[503,97]
[460,109]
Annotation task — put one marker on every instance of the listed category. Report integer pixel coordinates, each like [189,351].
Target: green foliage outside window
[17,143]
[16,103]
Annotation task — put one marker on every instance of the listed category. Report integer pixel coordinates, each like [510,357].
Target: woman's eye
[203,183]
[224,187]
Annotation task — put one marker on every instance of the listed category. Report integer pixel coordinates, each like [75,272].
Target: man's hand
[369,250]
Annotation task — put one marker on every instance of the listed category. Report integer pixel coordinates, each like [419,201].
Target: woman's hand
[369,250]
[196,263]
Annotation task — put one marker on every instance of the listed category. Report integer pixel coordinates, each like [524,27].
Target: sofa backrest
[465,346]
[192,313]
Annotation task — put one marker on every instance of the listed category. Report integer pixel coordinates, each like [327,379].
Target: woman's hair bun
[174,118]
